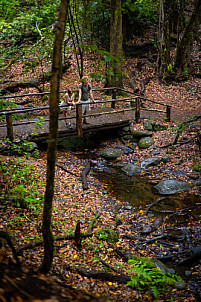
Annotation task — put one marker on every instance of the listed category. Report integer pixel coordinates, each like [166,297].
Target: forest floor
[71,203]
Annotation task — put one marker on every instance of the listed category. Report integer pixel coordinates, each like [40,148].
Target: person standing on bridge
[85,92]
[69,100]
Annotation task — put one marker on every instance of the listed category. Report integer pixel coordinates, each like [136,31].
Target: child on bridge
[69,100]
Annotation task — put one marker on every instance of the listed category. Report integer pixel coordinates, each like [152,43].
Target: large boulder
[145,142]
[110,153]
[167,187]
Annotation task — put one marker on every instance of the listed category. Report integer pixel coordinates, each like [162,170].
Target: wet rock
[188,273]
[145,142]
[128,137]
[148,126]
[146,230]
[166,159]
[193,176]
[159,127]
[132,169]
[154,161]
[29,147]
[128,207]
[140,133]
[110,153]
[155,152]
[197,182]
[168,186]
[180,285]
[162,266]
[158,222]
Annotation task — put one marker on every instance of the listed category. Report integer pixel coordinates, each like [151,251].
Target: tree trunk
[52,141]
[116,48]
[184,48]
[164,37]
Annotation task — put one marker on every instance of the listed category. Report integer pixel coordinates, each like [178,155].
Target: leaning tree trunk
[116,48]
[52,141]
[184,49]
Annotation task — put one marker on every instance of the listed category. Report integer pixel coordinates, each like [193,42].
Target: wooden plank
[86,129]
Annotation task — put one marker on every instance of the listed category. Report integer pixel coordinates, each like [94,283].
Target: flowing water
[137,192]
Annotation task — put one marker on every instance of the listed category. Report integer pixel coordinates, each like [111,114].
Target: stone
[146,230]
[166,159]
[110,153]
[159,127]
[29,146]
[145,142]
[168,187]
[128,207]
[148,126]
[140,133]
[132,169]
[197,182]
[180,285]
[154,161]
[193,176]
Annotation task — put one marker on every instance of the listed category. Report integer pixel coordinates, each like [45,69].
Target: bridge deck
[108,120]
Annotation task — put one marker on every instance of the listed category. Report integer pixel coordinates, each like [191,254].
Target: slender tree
[52,141]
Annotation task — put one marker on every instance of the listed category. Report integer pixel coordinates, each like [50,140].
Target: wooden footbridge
[106,114]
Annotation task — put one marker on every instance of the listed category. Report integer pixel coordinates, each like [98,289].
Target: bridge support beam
[137,111]
[9,122]
[79,120]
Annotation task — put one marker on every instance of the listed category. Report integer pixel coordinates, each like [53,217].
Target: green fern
[145,276]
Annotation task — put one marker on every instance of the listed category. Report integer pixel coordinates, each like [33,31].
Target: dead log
[84,174]
[97,274]
[58,238]
[15,86]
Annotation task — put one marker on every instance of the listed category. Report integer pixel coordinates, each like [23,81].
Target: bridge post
[79,120]
[114,96]
[137,111]
[9,126]
[168,113]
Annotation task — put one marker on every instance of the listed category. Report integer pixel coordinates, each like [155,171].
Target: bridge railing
[135,103]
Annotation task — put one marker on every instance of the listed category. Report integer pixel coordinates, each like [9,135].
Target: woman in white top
[68,101]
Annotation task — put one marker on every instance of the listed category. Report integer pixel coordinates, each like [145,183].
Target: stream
[178,211]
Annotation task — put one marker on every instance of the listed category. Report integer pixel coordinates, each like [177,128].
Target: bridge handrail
[113,101]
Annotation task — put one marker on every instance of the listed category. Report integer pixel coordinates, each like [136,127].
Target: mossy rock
[145,142]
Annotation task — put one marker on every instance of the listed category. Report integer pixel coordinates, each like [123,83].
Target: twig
[61,167]
[153,204]
[108,266]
